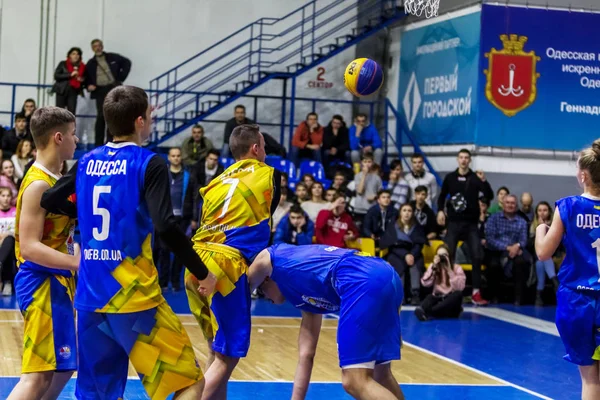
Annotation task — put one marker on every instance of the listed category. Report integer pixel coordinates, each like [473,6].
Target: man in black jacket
[460,198]
[239,118]
[104,72]
[201,174]
[380,216]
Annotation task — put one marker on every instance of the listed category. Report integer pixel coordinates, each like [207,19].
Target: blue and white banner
[439,67]
[539,79]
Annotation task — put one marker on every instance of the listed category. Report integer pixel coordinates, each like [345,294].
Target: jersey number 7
[101,234]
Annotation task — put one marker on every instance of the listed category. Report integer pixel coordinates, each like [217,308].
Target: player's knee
[354,382]
[38,382]
[307,354]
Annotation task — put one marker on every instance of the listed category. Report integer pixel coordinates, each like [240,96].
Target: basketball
[363,77]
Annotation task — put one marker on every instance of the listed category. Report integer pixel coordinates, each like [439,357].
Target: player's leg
[49,332]
[161,352]
[360,384]
[384,376]
[576,321]
[200,308]
[590,382]
[210,354]
[59,380]
[103,363]
[232,338]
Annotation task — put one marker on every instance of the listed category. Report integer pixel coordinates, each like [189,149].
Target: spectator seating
[227,162]
[283,165]
[314,168]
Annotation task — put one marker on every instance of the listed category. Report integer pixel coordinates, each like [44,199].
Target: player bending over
[44,284]
[577,313]
[365,290]
[235,226]
[122,198]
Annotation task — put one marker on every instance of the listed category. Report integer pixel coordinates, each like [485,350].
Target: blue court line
[317,391]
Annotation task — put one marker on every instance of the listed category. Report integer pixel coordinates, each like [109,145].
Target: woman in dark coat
[405,240]
[69,80]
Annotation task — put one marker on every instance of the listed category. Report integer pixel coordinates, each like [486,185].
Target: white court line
[495,378]
[491,385]
[515,318]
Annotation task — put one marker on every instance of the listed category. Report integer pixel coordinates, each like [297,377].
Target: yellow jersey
[58,229]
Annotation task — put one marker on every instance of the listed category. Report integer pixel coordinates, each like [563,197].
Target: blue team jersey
[117,273]
[580,269]
[305,275]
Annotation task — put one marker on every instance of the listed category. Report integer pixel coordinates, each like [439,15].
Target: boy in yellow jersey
[123,199]
[235,226]
[44,284]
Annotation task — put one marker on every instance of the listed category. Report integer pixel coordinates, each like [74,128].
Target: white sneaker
[7,289]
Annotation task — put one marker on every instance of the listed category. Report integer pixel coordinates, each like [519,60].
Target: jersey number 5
[101,234]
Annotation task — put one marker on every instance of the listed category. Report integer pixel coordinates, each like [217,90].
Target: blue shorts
[46,302]
[155,342]
[371,295]
[578,322]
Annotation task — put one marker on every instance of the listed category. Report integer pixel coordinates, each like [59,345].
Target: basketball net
[420,7]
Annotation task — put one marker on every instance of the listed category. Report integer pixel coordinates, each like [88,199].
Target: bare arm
[548,240]
[260,269]
[31,230]
[310,328]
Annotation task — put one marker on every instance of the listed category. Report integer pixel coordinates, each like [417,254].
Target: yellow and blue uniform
[122,314]
[235,226]
[45,295]
[365,290]
[578,296]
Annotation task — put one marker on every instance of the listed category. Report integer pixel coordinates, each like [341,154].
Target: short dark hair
[122,107]
[312,113]
[383,191]
[198,126]
[296,209]
[337,195]
[362,115]
[174,148]
[419,155]
[96,41]
[45,121]
[340,173]
[76,49]
[503,188]
[338,117]
[243,107]
[19,116]
[242,138]
[421,188]
[283,191]
[466,151]
[396,163]
[214,152]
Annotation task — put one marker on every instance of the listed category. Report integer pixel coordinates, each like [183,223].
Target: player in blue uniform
[365,290]
[122,196]
[577,223]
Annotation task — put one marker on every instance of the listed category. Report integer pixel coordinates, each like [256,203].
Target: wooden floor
[273,354]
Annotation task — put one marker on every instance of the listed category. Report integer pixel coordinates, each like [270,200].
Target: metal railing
[269,48]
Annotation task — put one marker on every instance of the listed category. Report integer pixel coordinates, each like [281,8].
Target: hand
[365,169]
[301,224]
[91,88]
[338,202]
[483,242]
[194,225]
[74,73]
[371,198]
[207,286]
[410,260]
[359,129]
[368,149]
[436,259]
[441,218]
[513,250]
[333,151]
[313,146]
[480,174]
[349,236]
[314,127]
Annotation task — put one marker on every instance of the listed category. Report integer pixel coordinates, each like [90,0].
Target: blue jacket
[186,182]
[368,137]
[283,233]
